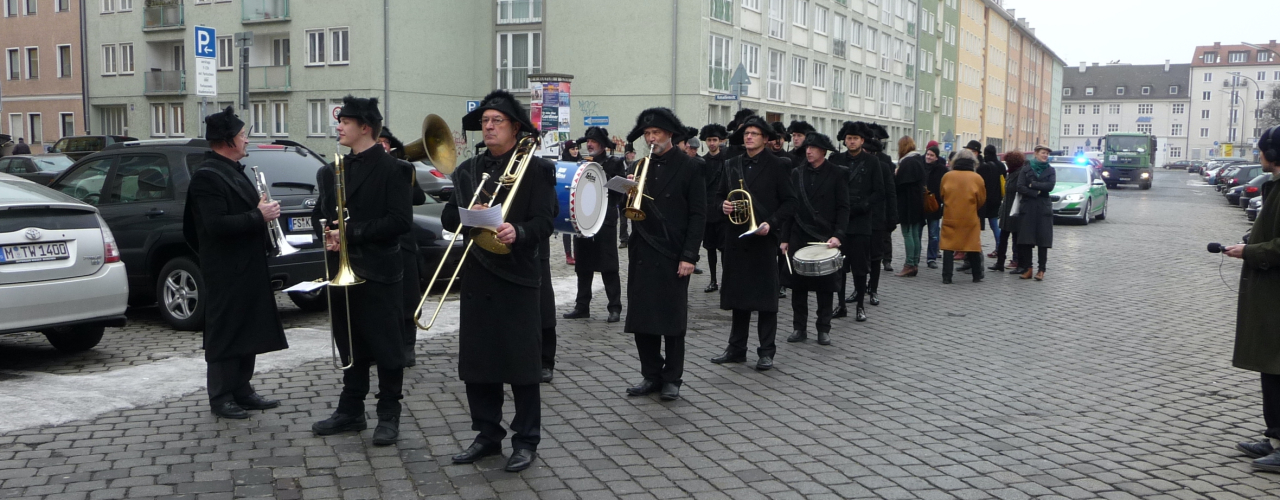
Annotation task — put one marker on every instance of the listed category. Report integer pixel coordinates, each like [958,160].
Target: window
[1175,152]
[317,119]
[108,6]
[1119,90]
[855,83]
[873,40]
[519,54]
[108,60]
[31,7]
[140,178]
[837,88]
[751,59]
[1204,114]
[159,120]
[280,118]
[751,5]
[67,125]
[33,63]
[800,16]
[86,183]
[1066,129]
[1066,92]
[1173,90]
[1260,95]
[855,34]
[1113,127]
[797,70]
[1088,91]
[340,53]
[520,11]
[1113,109]
[257,116]
[227,55]
[125,5]
[64,61]
[1097,109]
[819,75]
[178,119]
[35,129]
[1204,132]
[13,64]
[718,67]
[1066,110]
[1179,108]
[775,75]
[838,41]
[63,5]
[126,58]
[315,48]
[1206,96]
[871,87]
[721,10]
[820,20]
[1208,77]
[884,51]
[1210,58]
[1095,129]
[1146,90]
[777,21]
[1262,76]
[1237,57]
[1175,129]
[10,8]
[1146,109]
[1144,128]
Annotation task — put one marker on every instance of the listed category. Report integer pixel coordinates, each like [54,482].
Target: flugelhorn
[636,194]
[743,209]
[279,245]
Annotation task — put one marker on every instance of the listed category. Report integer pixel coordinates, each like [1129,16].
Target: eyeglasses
[492,121]
[752,134]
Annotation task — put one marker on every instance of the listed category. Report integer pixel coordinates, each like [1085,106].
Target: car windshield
[1126,144]
[288,172]
[77,144]
[52,163]
[1071,174]
[1259,180]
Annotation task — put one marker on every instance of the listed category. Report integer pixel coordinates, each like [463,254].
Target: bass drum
[582,197]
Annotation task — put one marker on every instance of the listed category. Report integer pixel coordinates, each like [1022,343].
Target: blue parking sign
[206,42]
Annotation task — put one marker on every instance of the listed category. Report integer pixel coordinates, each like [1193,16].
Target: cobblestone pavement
[1111,379]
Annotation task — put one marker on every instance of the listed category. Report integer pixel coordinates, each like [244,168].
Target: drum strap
[817,218]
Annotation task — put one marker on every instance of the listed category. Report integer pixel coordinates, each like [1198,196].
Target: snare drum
[817,260]
[582,196]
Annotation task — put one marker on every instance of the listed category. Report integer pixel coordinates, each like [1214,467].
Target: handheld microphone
[1215,248]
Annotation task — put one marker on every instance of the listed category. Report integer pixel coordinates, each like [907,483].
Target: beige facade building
[40,92]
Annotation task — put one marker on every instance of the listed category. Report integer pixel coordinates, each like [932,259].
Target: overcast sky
[1144,32]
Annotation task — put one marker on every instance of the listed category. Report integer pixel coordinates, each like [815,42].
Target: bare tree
[1271,110]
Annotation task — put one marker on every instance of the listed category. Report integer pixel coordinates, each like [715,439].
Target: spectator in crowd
[909,178]
[1035,213]
[935,168]
[963,193]
[993,176]
[1014,160]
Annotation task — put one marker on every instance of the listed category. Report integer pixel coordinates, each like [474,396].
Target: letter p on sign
[205,42]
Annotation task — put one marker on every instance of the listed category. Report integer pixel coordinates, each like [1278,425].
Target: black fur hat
[713,130]
[757,122]
[599,134]
[661,118]
[362,109]
[880,131]
[799,127]
[817,140]
[859,129]
[395,142]
[739,117]
[779,130]
[688,133]
[503,101]
[628,148]
[222,126]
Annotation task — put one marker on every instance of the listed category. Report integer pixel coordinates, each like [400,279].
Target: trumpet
[636,194]
[275,234]
[345,276]
[510,178]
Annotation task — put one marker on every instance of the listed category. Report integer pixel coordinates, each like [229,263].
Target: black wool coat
[657,298]
[865,179]
[992,173]
[751,263]
[885,215]
[547,294]
[821,213]
[1009,222]
[933,182]
[1035,211]
[411,284]
[599,253]
[910,180]
[379,203]
[222,224]
[500,322]
[713,174]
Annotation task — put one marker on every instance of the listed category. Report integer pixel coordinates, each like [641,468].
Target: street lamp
[1257,116]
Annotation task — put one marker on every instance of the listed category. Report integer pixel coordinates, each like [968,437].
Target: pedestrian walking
[935,168]
[963,193]
[1035,213]
[909,179]
[1014,160]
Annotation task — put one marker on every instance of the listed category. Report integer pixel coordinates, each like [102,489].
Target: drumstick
[789,270]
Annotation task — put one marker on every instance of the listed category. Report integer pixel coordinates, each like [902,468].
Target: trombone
[510,178]
[345,276]
[636,194]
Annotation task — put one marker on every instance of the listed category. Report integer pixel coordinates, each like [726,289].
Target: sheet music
[306,286]
[300,239]
[748,233]
[489,218]
[620,184]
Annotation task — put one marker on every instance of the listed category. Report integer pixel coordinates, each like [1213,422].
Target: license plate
[34,252]
[299,223]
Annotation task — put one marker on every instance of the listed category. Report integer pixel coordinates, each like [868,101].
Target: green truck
[1127,158]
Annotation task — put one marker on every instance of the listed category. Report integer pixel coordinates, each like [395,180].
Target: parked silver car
[60,268]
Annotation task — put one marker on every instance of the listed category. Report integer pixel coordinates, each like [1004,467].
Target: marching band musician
[822,215]
[751,262]
[412,289]
[598,253]
[225,222]
[662,252]
[688,143]
[378,211]
[864,177]
[884,215]
[797,132]
[777,146]
[714,135]
[500,305]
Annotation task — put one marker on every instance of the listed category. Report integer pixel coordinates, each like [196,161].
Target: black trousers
[886,247]
[767,329]
[622,225]
[800,310]
[612,290]
[879,249]
[355,386]
[711,261]
[1002,248]
[1024,256]
[668,370]
[229,379]
[1271,404]
[568,246]
[486,401]
[949,264]
[549,348]
[856,262]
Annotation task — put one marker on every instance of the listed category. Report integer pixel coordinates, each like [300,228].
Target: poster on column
[563,114]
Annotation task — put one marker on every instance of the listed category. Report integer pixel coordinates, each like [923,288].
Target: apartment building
[930,118]
[40,93]
[1229,85]
[1151,99]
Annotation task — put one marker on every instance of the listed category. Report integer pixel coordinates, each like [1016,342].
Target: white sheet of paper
[620,184]
[300,239]
[748,233]
[307,286]
[489,218]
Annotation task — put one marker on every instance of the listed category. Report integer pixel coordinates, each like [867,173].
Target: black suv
[140,189]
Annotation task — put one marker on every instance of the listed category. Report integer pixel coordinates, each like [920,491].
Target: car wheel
[1145,185]
[1103,214]
[311,302]
[178,294]
[1084,213]
[1111,185]
[70,339]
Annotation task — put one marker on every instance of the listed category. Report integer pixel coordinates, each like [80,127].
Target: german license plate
[299,223]
[34,252]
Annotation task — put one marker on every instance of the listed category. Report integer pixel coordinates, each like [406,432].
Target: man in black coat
[822,215]
[751,260]
[225,222]
[500,325]
[378,212]
[411,286]
[865,179]
[663,252]
[884,217]
[598,254]
[778,148]
[714,136]
[797,131]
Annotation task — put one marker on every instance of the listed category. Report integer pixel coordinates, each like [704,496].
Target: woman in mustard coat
[963,193]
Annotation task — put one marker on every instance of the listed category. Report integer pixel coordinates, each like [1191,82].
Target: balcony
[162,15]
[264,11]
[269,79]
[165,82]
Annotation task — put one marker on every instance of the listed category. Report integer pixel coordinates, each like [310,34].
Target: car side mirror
[1099,182]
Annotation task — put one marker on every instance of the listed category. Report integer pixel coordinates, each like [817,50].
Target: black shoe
[230,410]
[1269,463]
[888,267]
[547,374]
[964,268]
[765,363]
[339,423]
[388,430]
[729,357]
[670,392]
[946,281]
[1256,449]
[475,452]
[840,312]
[875,299]
[824,338]
[860,314]
[410,356]
[520,460]
[933,264]
[712,287]
[997,267]
[577,314]
[622,245]
[798,336]
[1018,270]
[850,299]
[257,402]
[977,277]
[614,317]
[645,387]
[697,270]
[782,293]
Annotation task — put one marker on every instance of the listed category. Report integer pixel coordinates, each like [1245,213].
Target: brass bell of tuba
[436,145]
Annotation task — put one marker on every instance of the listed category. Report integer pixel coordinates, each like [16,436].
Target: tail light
[110,250]
[437,173]
[1251,189]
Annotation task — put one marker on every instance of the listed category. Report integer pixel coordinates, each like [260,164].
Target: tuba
[275,234]
[436,145]
[345,276]
[636,195]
